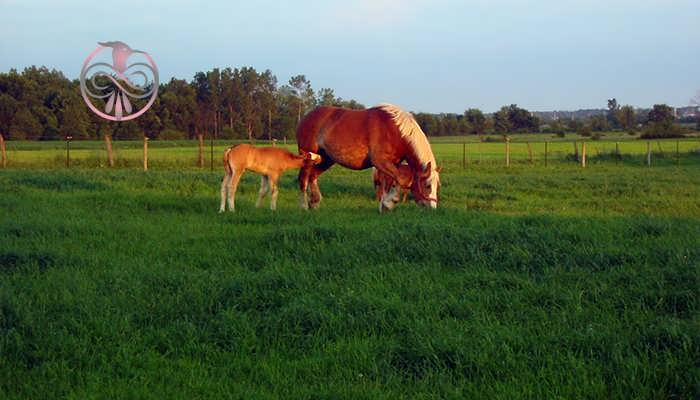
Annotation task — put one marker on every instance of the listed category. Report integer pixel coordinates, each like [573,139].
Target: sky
[429,56]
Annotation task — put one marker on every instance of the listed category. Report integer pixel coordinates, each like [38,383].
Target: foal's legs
[232,187]
[273,193]
[264,187]
[224,189]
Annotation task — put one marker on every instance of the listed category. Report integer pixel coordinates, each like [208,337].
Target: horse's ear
[438,169]
[427,170]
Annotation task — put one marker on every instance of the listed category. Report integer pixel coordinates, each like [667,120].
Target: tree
[477,120]
[613,113]
[25,125]
[8,108]
[303,92]
[661,114]
[626,117]
[326,97]
[599,123]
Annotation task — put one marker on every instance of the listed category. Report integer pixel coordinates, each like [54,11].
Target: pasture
[526,282]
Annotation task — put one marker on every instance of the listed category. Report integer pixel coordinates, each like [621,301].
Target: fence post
[576,151]
[68,138]
[200,156]
[110,154]
[648,154]
[529,150]
[617,152]
[145,153]
[211,150]
[3,151]
[583,154]
[546,143]
[507,152]
[464,155]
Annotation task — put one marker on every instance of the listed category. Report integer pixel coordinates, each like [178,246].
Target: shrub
[172,134]
[584,131]
[597,136]
[662,131]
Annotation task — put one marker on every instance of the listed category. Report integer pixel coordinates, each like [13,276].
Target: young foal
[270,162]
[383,182]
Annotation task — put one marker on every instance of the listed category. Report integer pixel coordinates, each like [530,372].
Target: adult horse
[382,137]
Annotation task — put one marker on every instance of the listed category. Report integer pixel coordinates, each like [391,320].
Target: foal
[383,182]
[270,162]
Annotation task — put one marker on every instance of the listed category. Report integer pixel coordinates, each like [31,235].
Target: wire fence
[207,154]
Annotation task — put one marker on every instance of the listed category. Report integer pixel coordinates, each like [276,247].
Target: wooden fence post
[529,150]
[3,151]
[68,138]
[583,154]
[546,143]
[648,154]
[110,153]
[507,152]
[211,148]
[200,156]
[576,151]
[145,153]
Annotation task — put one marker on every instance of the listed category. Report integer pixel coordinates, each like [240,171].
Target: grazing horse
[384,183]
[270,162]
[382,137]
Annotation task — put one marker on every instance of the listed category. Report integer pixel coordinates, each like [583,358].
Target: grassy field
[527,282]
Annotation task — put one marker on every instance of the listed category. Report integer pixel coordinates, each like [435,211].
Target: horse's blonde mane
[411,131]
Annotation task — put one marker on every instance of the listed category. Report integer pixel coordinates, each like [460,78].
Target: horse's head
[426,186]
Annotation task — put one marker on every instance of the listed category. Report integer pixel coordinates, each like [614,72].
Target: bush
[172,134]
[584,131]
[597,136]
[560,134]
[662,131]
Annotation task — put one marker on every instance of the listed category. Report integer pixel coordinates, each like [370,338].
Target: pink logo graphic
[114,85]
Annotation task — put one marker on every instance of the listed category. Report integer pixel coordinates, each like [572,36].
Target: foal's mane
[411,132]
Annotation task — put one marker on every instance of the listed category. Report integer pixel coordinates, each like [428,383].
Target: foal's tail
[227,163]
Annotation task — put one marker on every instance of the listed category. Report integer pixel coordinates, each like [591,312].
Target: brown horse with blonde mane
[270,162]
[382,137]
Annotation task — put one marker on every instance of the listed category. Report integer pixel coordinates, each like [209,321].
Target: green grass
[527,282]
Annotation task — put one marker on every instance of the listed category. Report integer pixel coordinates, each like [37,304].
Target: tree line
[243,103]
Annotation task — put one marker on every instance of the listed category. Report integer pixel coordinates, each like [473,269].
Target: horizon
[639,52]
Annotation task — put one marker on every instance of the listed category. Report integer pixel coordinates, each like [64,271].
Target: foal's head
[426,186]
[310,158]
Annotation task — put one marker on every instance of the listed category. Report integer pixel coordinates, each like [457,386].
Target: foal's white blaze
[314,156]
[389,199]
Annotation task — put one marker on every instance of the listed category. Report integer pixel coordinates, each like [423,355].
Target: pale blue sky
[429,56]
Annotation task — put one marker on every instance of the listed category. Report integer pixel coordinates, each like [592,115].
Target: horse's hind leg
[264,186]
[232,187]
[224,190]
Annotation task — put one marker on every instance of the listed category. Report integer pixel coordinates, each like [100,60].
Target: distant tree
[599,123]
[613,113]
[477,121]
[501,121]
[303,92]
[326,97]
[74,119]
[8,109]
[352,104]
[626,117]
[661,114]
[25,125]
